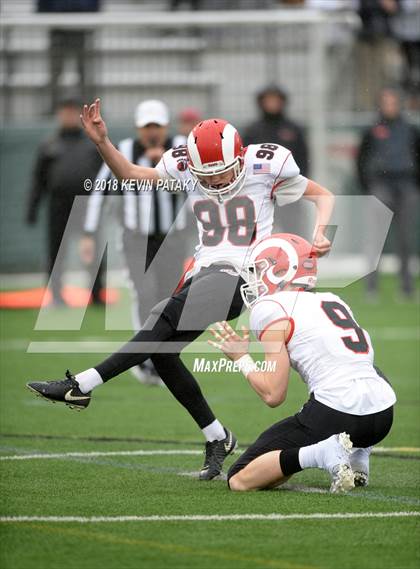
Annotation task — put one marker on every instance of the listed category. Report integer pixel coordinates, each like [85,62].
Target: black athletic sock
[183,387]
[289,461]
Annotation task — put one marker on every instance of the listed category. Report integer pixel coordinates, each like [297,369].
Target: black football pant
[316,422]
[155,285]
[212,295]
[151,285]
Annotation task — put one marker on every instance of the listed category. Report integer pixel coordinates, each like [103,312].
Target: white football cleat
[147,375]
[359,460]
[337,462]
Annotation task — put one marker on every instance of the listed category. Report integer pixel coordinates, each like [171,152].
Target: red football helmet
[277,261]
[214,147]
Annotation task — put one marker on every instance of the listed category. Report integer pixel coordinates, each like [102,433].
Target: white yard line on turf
[99,453]
[379,450]
[153,452]
[208,518]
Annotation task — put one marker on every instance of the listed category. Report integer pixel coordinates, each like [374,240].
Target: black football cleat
[63,391]
[216,453]
[361,479]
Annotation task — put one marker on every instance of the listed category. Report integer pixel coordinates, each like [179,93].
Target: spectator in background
[291,2]
[377,56]
[66,44]
[274,126]
[64,161]
[405,25]
[146,218]
[187,119]
[189,4]
[375,16]
[219,4]
[339,41]
[388,168]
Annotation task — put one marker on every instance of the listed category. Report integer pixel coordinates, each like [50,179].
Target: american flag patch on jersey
[261,168]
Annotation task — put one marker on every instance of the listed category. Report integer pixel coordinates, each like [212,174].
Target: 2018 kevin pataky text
[114,185]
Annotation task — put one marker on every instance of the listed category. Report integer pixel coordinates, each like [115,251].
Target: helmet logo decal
[276,262]
[272,277]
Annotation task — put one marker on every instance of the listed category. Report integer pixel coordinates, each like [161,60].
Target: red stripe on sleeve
[277,184]
[292,328]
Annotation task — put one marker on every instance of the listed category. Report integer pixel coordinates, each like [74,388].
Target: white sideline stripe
[154,452]
[208,518]
[379,450]
[99,453]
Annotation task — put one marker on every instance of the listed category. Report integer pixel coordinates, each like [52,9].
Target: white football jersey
[326,346]
[228,230]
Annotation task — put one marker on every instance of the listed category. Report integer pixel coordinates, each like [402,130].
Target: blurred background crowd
[336,81]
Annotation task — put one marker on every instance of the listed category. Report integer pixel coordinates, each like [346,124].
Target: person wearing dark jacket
[375,50]
[388,168]
[274,126]
[63,162]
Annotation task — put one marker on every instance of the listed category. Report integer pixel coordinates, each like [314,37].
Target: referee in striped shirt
[144,216]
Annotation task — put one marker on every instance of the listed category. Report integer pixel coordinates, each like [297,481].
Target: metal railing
[216,61]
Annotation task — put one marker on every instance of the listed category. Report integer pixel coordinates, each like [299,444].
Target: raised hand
[93,123]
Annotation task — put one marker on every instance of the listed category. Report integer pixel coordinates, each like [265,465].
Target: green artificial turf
[126,416]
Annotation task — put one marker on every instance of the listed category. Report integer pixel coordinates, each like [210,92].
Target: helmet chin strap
[228,190]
